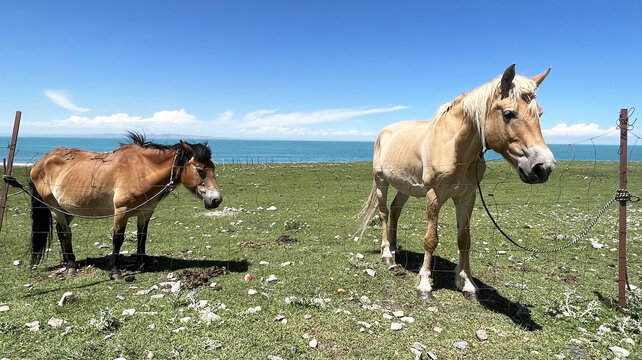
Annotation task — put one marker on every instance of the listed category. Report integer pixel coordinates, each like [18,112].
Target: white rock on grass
[370,272]
[129,312]
[398,313]
[67,298]
[364,324]
[33,325]
[264,263]
[461,345]
[313,343]
[185,319]
[271,208]
[271,278]
[56,323]
[396,326]
[17,263]
[387,316]
[481,335]
[4,308]
[179,329]
[120,298]
[176,287]
[198,305]
[408,319]
[157,296]
[252,292]
[619,352]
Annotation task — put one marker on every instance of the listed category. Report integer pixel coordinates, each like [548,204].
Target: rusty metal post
[8,167]
[624,127]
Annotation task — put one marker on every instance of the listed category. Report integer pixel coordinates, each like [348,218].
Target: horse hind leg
[395,211]
[64,236]
[382,198]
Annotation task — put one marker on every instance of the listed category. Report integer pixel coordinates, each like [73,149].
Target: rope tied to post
[621,195]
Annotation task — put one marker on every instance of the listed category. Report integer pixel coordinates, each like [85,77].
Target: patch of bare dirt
[286,239]
[195,279]
[251,245]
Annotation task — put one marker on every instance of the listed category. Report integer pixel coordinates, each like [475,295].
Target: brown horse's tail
[41,225]
[368,211]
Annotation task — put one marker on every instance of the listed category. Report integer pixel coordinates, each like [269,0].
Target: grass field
[534,306]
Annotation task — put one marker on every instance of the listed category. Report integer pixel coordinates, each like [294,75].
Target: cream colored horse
[436,160]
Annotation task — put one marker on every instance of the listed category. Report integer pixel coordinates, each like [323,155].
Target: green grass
[323,199]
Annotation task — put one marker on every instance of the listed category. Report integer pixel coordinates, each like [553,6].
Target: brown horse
[437,160]
[129,181]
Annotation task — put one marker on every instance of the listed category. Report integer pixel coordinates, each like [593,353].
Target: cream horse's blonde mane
[475,103]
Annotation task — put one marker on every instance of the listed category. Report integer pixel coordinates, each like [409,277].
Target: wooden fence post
[624,128]
[8,167]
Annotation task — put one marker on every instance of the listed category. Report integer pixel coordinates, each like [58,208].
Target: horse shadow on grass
[443,276]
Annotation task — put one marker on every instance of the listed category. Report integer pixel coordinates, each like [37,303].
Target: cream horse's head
[512,127]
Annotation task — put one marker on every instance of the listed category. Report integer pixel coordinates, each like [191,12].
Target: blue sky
[317,70]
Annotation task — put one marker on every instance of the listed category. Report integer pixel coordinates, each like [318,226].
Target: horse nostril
[541,171]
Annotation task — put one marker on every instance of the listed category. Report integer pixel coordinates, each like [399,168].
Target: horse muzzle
[211,197]
[536,166]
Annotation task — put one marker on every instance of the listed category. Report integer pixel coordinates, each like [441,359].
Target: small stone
[398,313]
[387,316]
[179,329]
[166,284]
[501,252]
[274,357]
[313,343]
[433,309]
[4,308]
[33,324]
[281,318]
[559,356]
[360,256]
[142,292]
[481,335]
[120,358]
[158,296]
[461,345]
[129,312]
[437,329]
[150,355]
[253,310]
[252,292]
[67,298]
[364,324]
[603,329]
[55,323]
[264,263]
[198,305]
[208,317]
[176,287]
[271,278]
[293,350]
[431,355]
[103,246]
[120,298]
[396,326]
[628,341]
[306,336]
[17,263]
[419,346]
[408,319]
[307,316]
[370,272]
[271,208]
[620,352]
[152,326]
[365,300]
[185,319]
[171,276]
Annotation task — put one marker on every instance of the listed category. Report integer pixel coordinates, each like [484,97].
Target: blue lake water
[30,149]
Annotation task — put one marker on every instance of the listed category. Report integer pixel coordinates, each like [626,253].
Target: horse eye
[509,115]
[200,171]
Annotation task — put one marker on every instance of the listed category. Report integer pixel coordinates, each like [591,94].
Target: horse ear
[187,148]
[507,79]
[539,78]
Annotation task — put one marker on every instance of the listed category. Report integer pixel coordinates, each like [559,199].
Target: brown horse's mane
[202,151]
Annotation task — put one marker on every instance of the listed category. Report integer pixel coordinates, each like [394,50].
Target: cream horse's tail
[368,211]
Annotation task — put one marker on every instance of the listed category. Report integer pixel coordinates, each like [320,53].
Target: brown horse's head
[512,126]
[197,173]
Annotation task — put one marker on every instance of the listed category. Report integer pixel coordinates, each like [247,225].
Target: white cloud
[262,118]
[579,130]
[166,119]
[62,99]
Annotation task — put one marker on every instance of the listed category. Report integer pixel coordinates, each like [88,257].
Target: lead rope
[13,182]
[621,195]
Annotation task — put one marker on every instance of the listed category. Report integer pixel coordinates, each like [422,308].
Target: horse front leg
[431,240]
[142,260]
[463,275]
[120,223]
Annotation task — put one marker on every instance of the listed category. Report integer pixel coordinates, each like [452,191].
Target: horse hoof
[471,296]
[425,295]
[115,276]
[388,260]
